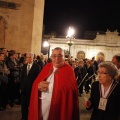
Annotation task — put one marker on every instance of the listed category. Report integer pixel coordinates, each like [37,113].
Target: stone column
[24,26]
[37,26]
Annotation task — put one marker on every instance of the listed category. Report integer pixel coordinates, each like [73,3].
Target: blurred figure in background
[80,73]
[73,64]
[13,78]
[5,52]
[116,61]
[4,72]
[39,61]
[89,76]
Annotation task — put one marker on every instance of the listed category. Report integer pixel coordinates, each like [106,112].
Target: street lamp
[70,36]
[46,45]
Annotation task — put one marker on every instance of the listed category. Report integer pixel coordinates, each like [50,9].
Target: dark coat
[112,111]
[14,70]
[90,71]
[80,73]
[26,86]
[27,80]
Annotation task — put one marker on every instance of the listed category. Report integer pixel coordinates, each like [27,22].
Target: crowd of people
[11,64]
[49,89]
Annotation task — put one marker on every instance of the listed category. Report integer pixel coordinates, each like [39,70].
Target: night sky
[83,15]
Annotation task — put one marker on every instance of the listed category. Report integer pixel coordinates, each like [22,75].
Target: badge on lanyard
[102,104]
[103,101]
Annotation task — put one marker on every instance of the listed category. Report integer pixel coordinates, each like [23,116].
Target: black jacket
[27,80]
[112,111]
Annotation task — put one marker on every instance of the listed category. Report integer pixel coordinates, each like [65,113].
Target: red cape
[64,103]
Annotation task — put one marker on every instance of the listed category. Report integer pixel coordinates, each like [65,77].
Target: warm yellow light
[70,42]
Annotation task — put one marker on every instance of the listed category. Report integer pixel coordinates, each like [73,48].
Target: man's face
[13,56]
[115,62]
[4,51]
[29,58]
[80,64]
[74,64]
[57,58]
[1,57]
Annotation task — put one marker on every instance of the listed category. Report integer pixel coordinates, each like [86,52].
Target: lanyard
[111,89]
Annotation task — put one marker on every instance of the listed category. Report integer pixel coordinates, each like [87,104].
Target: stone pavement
[15,113]
[84,114]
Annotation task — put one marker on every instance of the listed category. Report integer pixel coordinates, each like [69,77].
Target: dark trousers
[3,92]
[25,98]
[87,87]
[81,88]
[13,93]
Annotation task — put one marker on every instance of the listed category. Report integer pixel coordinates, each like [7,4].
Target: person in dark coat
[89,76]
[29,73]
[4,72]
[80,73]
[13,93]
[105,94]
[39,61]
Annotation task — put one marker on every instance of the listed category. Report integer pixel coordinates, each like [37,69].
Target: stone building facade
[21,27]
[104,46]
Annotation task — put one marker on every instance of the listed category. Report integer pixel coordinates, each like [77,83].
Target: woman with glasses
[105,94]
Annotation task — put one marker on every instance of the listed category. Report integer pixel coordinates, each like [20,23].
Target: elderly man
[54,93]
[29,73]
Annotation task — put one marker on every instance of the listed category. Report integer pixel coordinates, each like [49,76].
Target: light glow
[45,44]
[71,32]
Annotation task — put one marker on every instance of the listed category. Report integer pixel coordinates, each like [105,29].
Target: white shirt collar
[105,93]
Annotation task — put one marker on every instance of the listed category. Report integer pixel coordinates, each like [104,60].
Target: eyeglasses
[57,56]
[101,73]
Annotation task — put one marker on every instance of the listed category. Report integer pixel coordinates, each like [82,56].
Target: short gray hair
[110,67]
[30,53]
[59,48]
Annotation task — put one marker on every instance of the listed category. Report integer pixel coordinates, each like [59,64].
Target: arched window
[80,55]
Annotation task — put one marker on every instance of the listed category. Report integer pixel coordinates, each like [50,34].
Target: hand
[43,86]
[87,104]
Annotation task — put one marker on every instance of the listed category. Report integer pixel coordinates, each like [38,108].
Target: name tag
[102,104]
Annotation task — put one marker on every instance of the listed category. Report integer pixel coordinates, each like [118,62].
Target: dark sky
[83,15]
